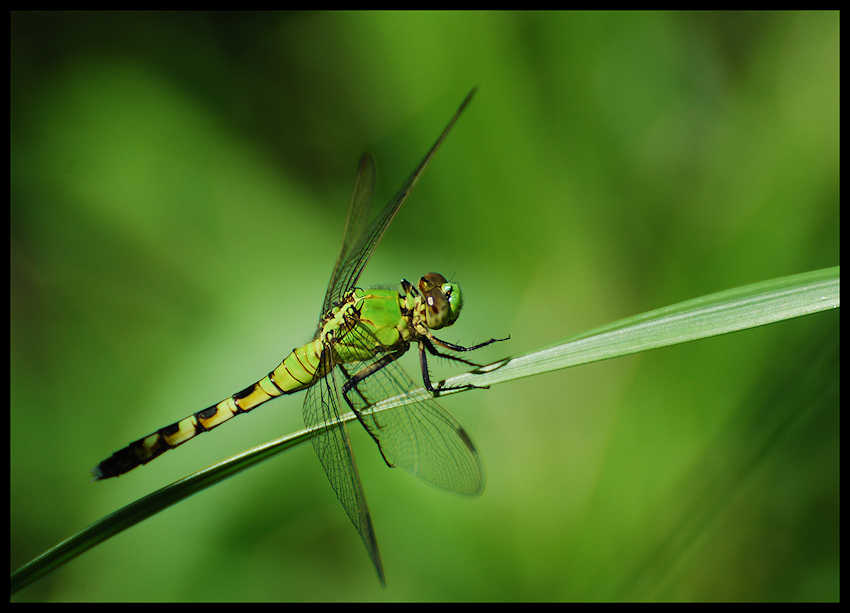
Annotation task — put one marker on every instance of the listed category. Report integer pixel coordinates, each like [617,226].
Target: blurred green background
[179,184]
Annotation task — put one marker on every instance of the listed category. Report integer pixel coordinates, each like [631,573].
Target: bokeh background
[179,185]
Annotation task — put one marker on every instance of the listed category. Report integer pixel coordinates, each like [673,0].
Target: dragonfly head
[443,300]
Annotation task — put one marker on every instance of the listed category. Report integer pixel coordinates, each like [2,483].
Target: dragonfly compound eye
[442,305]
[431,280]
[436,309]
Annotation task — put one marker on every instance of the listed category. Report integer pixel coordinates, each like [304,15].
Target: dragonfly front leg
[425,344]
[454,347]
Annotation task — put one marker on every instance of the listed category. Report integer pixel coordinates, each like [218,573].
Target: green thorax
[373,320]
[370,321]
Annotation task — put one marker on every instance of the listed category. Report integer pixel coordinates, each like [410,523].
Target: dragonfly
[353,359]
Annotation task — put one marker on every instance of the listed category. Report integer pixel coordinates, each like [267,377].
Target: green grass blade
[728,311]
[152,504]
[732,310]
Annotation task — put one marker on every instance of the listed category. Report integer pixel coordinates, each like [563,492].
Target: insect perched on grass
[353,356]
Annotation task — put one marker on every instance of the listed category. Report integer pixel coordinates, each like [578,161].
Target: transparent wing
[334,450]
[422,437]
[322,402]
[358,244]
[358,215]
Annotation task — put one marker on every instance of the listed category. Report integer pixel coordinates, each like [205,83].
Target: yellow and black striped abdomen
[295,373]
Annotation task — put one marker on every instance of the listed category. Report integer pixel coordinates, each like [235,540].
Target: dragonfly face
[443,300]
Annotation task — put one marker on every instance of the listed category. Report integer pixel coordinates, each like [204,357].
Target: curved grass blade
[159,500]
[729,311]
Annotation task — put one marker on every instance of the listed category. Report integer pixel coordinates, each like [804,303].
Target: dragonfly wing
[334,450]
[356,251]
[358,215]
[420,437]
[321,404]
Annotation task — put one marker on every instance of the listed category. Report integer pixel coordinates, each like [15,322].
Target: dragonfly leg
[451,346]
[425,344]
[454,347]
[429,346]
[351,383]
[353,380]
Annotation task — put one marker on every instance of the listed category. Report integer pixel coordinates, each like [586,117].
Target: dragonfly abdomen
[152,446]
[295,373]
[299,370]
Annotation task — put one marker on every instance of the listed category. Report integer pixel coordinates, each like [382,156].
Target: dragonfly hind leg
[351,382]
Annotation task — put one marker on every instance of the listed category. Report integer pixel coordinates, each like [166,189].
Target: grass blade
[721,313]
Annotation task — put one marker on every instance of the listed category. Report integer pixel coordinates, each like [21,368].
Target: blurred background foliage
[179,184]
